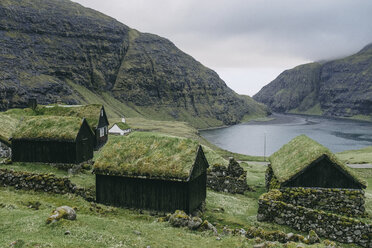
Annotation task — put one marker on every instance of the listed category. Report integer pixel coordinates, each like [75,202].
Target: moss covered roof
[143,154]
[122,126]
[7,127]
[48,128]
[300,152]
[90,112]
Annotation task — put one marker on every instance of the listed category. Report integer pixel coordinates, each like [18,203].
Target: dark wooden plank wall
[323,173]
[100,141]
[102,123]
[159,195]
[43,151]
[197,191]
[84,143]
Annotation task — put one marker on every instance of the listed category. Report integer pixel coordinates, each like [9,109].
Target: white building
[115,129]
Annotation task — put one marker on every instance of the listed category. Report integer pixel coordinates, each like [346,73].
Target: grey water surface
[248,138]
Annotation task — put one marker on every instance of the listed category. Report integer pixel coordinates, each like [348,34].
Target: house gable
[200,165]
[102,121]
[323,173]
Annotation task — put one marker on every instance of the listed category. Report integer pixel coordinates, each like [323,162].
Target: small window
[101,132]
[101,112]
[106,130]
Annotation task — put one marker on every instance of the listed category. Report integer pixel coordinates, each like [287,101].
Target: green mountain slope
[57,50]
[341,87]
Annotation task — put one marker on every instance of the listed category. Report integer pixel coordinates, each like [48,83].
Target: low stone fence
[5,151]
[231,179]
[272,208]
[348,202]
[42,182]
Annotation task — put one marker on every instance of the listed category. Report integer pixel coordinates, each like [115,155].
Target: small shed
[95,114]
[304,162]
[52,139]
[120,128]
[151,171]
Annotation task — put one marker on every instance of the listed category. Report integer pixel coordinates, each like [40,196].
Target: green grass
[90,112]
[7,126]
[361,156]
[150,154]
[48,127]
[114,227]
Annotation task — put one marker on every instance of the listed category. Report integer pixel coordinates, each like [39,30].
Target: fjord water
[248,138]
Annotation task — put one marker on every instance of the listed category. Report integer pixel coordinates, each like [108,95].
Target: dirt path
[359,166]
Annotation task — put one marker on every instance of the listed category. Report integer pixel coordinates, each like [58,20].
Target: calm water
[336,134]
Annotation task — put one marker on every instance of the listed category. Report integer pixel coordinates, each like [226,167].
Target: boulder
[63,212]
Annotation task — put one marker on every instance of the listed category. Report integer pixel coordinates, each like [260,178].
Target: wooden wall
[43,151]
[198,191]
[160,195]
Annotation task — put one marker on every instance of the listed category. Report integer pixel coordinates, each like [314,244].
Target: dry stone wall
[348,202]
[5,151]
[42,182]
[272,208]
[231,179]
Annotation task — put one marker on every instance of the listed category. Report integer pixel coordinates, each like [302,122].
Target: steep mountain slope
[341,87]
[57,50]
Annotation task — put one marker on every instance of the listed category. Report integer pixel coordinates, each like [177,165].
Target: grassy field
[361,156]
[103,226]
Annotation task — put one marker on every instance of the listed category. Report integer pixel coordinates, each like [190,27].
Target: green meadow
[104,226]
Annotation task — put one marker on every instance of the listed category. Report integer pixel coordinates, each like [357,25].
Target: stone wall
[231,179]
[5,151]
[348,202]
[272,208]
[42,182]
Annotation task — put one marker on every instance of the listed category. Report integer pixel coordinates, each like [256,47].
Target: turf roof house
[95,114]
[305,163]
[151,171]
[120,128]
[52,139]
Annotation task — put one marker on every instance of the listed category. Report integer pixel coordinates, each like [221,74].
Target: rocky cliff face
[47,46]
[341,87]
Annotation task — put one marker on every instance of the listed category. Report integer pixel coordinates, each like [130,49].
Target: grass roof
[48,128]
[90,112]
[122,126]
[7,126]
[147,154]
[300,152]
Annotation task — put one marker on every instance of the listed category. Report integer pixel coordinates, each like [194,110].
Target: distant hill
[341,88]
[57,50]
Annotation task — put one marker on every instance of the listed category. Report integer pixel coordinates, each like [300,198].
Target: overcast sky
[250,42]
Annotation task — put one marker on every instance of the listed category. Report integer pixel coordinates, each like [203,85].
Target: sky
[250,42]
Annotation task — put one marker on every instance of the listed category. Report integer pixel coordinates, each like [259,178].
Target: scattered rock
[226,230]
[137,232]
[313,237]
[63,212]
[67,232]
[17,244]
[208,226]
[179,219]
[194,223]
[261,245]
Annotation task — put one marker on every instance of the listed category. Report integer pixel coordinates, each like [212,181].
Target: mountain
[341,87]
[57,50]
